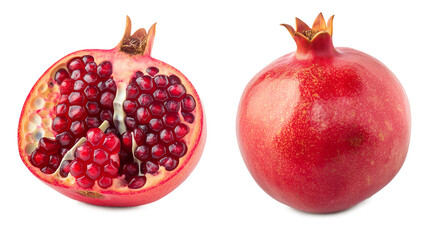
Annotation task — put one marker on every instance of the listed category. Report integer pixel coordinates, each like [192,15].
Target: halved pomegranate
[112,127]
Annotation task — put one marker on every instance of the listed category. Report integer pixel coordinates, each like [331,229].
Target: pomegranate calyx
[140,42]
[303,30]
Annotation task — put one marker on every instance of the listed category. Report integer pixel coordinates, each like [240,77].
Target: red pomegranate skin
[323,128]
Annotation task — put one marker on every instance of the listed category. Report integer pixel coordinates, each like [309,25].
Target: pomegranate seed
[61,109]
[137,182]
[111,170]
[85,182]
[160,95]
[75,64]
[145,128]
[93,171]
[106,115]
[166,136]
[151,167]
[139,136]
[94,136]
[171,119]
[91,67]
[78,128]
[152,71]
[93,108]
[76,112]
[66,86]
[188,103]
[104,70]
[138,74]
[156,124]
[65,168]
[61,75]
[39,158]
[188,117]
[161,81]
[87,58]
[143,115]
[157,109]
[145,83]
[92,122]
[169,163]
[105,182]
[141,152]
[84,152]
[151,139]
[48,170]
[49,145]
[77,74]
[176,91]
[106,99]
[130,170]
[77,169]
[91,78]
[130,106]
[181,130]
[145,100]
[178,149]
[112,143]
[172,106]
[130,122]
[91,92]
[111,85]
[127,141]
[76,98]
[100,156]
[133,91]
[60,123]
[174,79]
[79,85]
[65,139]
[158,151]
[54,161]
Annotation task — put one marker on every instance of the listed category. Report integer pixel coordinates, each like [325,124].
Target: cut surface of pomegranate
[113,127]
[323,128]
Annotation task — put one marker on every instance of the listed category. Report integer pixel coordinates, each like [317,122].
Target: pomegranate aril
[91,78]
[60,124]
[181,130]
[61,75]
[47,170]
[76,112]
[188,103]
[87,59]
[166,136]
[110,85]
[139,136]
[65,168]
[111,143]
[169,163]
[176,91]
[92,122]
[75,64]
[78,128]
[94,136]
[100,157]
[173,79]
[156,124]
[160,95]
[138,74]
[64,139]
[161,81]
[129,106]
[39,158]
[141,152]
[93,108]
[66,85]
[77,74]
[158,151]
[172,106]
[93,171]
[106,99]
[85,182]
[152,71]
[127,141]
[105,182]
[106,115]
[143,115]
[145,83]
[130,170]
[145,100]
[61,109]
[133,91]
[110,170]
[84,152]
[79,85]
[171,119]
[104,69]
[91,92]
[188,117]
[150,167]
[157,109]
[77,169]
[151,139]
[91,67]
[54,161]
[76,98]
[137,182]
[130,122]
[178,149]
[50,146]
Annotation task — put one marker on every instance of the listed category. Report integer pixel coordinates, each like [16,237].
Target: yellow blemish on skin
[372,162]
[389,125]
[367,180]
[381,136]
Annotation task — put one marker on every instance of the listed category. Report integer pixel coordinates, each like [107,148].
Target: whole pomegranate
[112,127]
[323,128]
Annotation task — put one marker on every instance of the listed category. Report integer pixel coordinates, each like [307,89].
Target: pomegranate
[323,128]
[112,127]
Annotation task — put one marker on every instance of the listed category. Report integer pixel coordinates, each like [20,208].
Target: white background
[220,46]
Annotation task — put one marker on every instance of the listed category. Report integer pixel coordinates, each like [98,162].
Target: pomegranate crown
[304,31]
[140,42]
